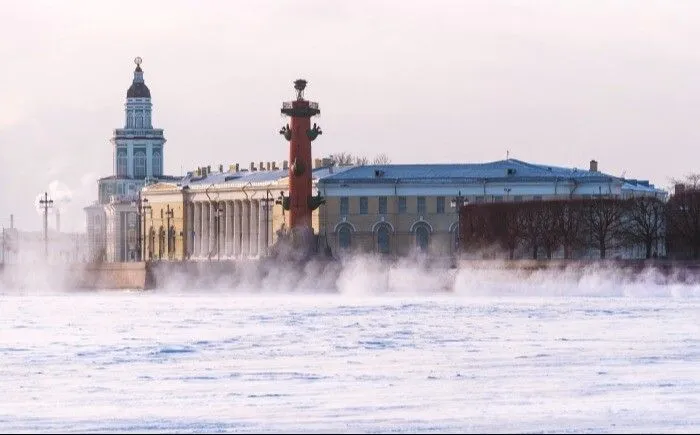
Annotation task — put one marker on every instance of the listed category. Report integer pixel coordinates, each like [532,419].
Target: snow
[494,356]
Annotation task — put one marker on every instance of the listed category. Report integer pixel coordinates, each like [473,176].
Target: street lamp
[457,203]
[219,212]
[266,204]
[143,207]
[46,203]
[169,212]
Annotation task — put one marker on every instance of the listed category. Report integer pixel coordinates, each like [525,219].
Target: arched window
[139,121]
[422,236]
[344,236]
[383,238]
[157,164]
[121,163]
[140,164]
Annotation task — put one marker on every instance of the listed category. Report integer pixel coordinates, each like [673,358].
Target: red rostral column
[300,135]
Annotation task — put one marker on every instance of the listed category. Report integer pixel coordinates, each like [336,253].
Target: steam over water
[591,351]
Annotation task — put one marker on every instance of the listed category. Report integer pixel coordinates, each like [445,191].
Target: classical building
[390,209]
[137,160]
[219,215]
[399,209]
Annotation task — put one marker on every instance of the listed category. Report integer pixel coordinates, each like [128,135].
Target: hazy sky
[556,82]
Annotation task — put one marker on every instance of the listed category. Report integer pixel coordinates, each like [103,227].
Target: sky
[552,82]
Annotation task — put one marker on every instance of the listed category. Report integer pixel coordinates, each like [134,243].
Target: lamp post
[457,203]
[46,203]
[143,207]
[266,203]
[169,212]
[220,211]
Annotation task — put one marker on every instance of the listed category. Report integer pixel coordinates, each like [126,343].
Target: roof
[511,170]
[252,177]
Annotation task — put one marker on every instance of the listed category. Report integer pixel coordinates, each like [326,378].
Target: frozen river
[508,357]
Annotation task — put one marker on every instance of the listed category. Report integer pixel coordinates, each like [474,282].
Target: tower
[138,147]
[300,134]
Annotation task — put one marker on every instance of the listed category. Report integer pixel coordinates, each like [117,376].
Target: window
[363,205]
[422,237]
[121,163]
[344,236]
[383,239]
[421,205]
[157,164]
[139,121]
[440,205]
[140,164]
[382,205]
[402,204]
[344,205]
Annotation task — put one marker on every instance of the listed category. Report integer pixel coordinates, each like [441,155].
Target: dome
[138,88]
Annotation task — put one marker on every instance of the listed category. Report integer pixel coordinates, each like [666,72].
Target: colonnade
[228,229]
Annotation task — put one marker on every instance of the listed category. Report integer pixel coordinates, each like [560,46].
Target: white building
[137,160]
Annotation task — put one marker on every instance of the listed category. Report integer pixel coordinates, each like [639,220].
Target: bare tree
[361,160]
[644,222]
[571,226]
[381,159]
[603,222]
[529,221]
[683,219]
[342,159]
[550,217]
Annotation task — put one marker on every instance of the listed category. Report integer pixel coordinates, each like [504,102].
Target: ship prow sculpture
[297,242]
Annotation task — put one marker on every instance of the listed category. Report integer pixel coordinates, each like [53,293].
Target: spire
[138,87]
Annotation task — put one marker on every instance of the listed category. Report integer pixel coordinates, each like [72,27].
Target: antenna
[507,154]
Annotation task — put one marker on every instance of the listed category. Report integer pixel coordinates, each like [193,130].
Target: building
[391,209]
[401,209]
[137,160]
[219,215]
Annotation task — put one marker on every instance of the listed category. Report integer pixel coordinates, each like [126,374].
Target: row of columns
[243,228]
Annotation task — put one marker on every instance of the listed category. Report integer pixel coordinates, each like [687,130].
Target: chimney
[199,172]
[252,166]
[285,165]
[221,168]
[274,166]
[317,163]
[268,165]
[12,221]
[238,167]
[208,169]
[58,220]
[262,166]
[232,168]
[594,166]
[326,161]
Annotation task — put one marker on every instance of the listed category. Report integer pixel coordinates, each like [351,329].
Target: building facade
[396,210]
[399,210]
[137,160]
[218,215]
